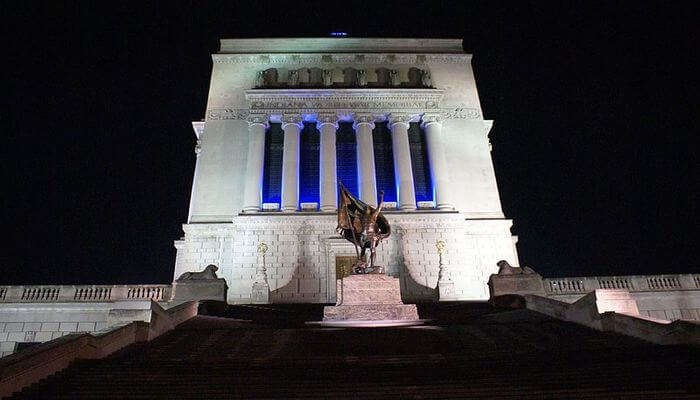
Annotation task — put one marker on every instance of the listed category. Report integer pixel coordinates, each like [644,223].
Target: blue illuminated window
[384,161]
[272,167]
[346,157]
[308,164]
[419,163]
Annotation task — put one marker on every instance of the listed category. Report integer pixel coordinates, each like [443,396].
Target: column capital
[327,118]
[258,119]
[294,119]
[362,119]
[430,118]
[395,119]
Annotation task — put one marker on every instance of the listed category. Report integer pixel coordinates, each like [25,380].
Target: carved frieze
[351,99]
[343,101]
[344,58]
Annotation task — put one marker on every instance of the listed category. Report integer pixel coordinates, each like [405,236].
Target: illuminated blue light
[309,164]
[339,33]
[272,165]
[384,162]
[420,164]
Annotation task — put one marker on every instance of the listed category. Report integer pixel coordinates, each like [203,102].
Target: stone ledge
[370,312]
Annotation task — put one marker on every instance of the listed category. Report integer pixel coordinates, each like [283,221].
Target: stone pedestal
[369,297]
[260,293]
[205,289]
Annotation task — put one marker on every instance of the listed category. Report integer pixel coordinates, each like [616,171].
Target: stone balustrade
[667,297]
[633,283]
[83,293]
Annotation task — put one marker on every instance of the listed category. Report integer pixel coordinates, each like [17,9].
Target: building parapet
[633,283]
[83,293]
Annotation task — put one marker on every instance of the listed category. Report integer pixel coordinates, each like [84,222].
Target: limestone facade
[328,81]
[302,251]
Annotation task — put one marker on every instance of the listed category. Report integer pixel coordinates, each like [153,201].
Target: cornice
[341,58]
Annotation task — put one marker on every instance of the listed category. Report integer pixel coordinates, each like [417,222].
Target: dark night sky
[590,144]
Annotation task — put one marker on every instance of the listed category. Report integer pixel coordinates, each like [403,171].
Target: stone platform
[370,297]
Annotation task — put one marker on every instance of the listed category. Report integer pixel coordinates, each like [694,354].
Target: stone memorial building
[288,119]
[393,120]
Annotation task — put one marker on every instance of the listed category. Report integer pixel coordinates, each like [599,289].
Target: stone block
[14,326]
[68,326]
[370,312]
[519,284]
[43,336]
[3,336]
[205,289]
[16,336]
[86,327]
[55,335]
[7,347]
[32,326]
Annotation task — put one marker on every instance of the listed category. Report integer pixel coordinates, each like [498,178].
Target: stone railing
[633,283]
[83,293]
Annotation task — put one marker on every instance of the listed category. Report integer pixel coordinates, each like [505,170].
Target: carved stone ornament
[364,118]
[291,119]
[208,273]
[312,59]
[400,119]
[361,77]
[198,147]
[327,77]
[326,118]
[258,119]
[228,113]
[309,101]
[394,77]
[430,118]
[425,79]
[293,78]
[260,79]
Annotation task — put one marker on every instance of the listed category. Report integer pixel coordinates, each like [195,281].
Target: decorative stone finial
[262,248]
[440,247]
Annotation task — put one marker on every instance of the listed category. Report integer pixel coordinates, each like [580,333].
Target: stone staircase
[487,354]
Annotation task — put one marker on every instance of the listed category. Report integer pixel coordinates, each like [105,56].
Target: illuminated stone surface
[260,81]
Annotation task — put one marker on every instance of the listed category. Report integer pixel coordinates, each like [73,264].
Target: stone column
[364,124]
[402,161]
[252,193]
[291,124]
[328,176]
[439,173]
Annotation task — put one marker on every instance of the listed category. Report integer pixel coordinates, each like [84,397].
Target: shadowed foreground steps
[479,352]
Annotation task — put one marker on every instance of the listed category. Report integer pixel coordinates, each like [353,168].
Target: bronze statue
[364,226]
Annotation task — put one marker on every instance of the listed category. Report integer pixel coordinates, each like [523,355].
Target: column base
[408,208]
[288,209]
[328,208]
[448,207]
[249,210]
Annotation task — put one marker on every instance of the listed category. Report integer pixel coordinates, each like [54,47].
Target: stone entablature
[340,45]
[372,59]
[342,101]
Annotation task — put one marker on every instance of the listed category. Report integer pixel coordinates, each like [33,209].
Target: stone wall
[302,247]
[41,322]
